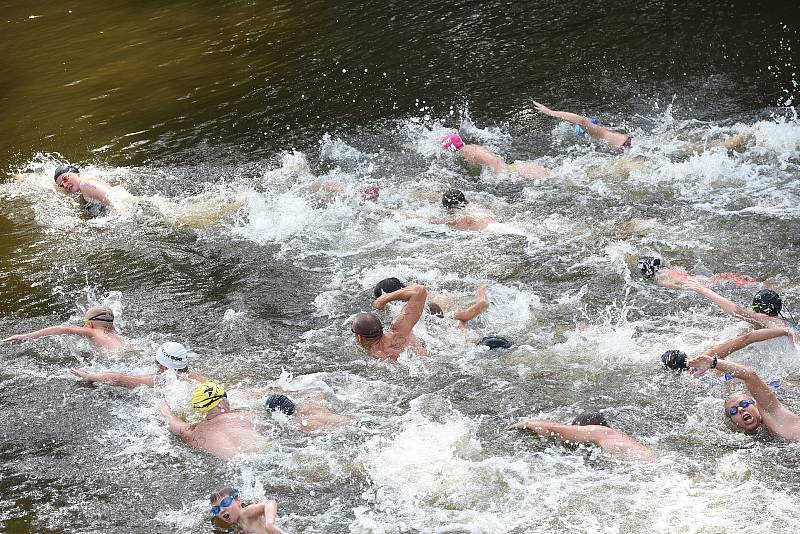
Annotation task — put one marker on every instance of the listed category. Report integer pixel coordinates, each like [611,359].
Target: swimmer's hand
[522,425]
[541,108]
[17,339]
[164,409]
[89,377]
[701,364]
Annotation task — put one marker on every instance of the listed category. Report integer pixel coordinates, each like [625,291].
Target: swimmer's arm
[197,377]
[97,191]
[270,515]
[595,130]
[728,306]
[478,155]
[481,305]
[117,379]
[177,426]
[52,331]
[404,294]
[415,297]
[567,433]
[762,393]
[728,347]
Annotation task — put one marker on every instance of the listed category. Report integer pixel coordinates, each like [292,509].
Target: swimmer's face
[748,419]
[229,514]
[69,181]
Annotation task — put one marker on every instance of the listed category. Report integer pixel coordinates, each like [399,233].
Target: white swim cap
[173,355]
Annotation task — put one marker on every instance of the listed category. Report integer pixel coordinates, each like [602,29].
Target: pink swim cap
[371,192]
[452,142]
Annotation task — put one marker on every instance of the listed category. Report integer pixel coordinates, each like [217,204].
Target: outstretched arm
[51,331]
[595,130]
[562,432]
[762,393]
[415,296]
[117,379]
[728,347]
[728,306]
[481,305]
[177,426]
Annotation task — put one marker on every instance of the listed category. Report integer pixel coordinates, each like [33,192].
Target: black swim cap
[453,198]
[767,302]
[496,342]
[387,285]
[435,309]
[61,169]
[591,418]
[648,266]
[675,359]
[280,403]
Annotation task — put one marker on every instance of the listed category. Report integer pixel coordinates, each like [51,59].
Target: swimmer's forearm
[55,331]
[726,348]
[125,381]
[473,311]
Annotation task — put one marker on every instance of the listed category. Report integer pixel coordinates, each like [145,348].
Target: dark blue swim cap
[648,266]
[61,169]
[280,403]
[387,285]
[767,302]
[675,359]
[453,198]
[496,342]
[591,418]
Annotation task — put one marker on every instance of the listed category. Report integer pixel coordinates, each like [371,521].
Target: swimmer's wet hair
[453,198]
[387,285]
[590,417]
[221,494]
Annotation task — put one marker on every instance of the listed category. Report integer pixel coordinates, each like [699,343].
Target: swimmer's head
[172,356]
[387,285]
[453,198]
[367,327]
[207,396]
[67,176]
[99,317]
[226,505]
[371,192]
[742,412]
[675,360]
[280,403]
[435,309]
[496,342]
[767,302]
[452,142]
[64,169]
[591,418]
[648,266]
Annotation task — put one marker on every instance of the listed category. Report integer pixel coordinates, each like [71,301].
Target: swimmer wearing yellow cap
[222,432]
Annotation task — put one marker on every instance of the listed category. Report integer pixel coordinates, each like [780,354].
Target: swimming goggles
[99,317]
[224,503]
[744,403]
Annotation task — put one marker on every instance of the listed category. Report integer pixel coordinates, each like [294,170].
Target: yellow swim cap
[207,395]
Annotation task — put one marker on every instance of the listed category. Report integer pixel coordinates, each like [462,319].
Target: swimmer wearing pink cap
[483,157]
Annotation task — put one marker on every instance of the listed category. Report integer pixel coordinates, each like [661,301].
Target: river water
[220,116]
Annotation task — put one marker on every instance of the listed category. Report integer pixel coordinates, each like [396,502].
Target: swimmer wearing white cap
[170,355]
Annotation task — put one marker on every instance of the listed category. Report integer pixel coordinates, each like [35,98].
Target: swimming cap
[675,359]
[767,302]
[452,142]
[435,309]
[387,285]
[367,325]
[496,342]
[371,192]
[62,169]
[280,403]
[173,355]
[453,198]
[100,313]
[580,132]
[591,418]
[648,266]
[207,395]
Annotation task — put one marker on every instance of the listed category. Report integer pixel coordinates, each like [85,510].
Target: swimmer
[382,345]
[310,416]
[453,200]
[96,194]
[617,140]
[591,428]
[98,327]
[483,157]
[170,355]
[387,285]
[760,410]
[469,313]
[326,191]
[222,433]
[254,518]
[675,277]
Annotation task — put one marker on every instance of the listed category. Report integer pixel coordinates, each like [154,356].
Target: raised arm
[415,296]
[117,379]
[480,305]
[728,347]
[762,393]
[270,515]
[595,130]
[51,331]
[728,306]
[177,426]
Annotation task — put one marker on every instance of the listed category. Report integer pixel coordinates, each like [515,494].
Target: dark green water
[193,104]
